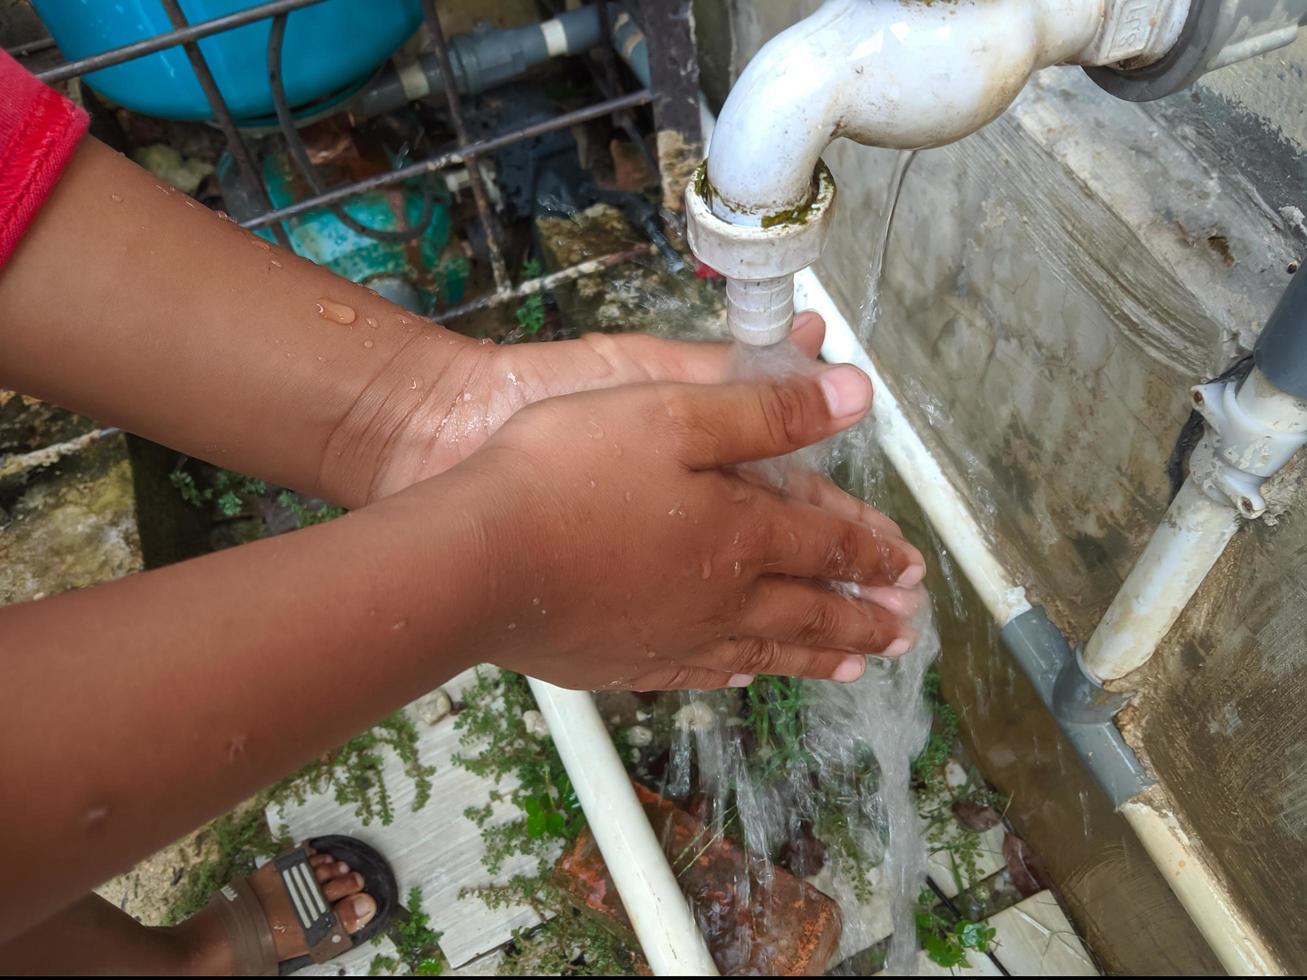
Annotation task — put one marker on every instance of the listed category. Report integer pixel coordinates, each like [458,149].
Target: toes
[356,912]
[330,869]
[317,860]
[339,888]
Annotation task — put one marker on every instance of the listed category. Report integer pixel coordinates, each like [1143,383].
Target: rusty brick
[780,927]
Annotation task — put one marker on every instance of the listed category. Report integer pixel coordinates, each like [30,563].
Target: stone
[535,723]
[697,716]
[786,928]
[639,736]
[433,707]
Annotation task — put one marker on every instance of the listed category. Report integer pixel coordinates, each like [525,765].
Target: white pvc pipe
[1176,560]
[1227,930]
[1225,926]
[659,912]
[952,519]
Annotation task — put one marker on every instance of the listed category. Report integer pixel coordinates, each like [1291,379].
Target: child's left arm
[129,302]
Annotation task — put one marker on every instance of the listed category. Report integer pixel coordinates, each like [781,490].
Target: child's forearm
[136,710]
[130,303]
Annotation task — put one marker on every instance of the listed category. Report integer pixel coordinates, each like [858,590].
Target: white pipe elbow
[895,73]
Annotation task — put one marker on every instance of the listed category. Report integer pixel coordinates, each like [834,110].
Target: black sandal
[254,953]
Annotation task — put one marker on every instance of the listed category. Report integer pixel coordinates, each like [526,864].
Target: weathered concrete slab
[436,849]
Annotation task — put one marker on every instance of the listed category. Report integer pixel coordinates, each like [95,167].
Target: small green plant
[776,718]
[497,745]
[225,490]
[353,772]
[417,949]
[531,314]
[928,767]
[228,847]
[308,514]
[568,943]
[946,938]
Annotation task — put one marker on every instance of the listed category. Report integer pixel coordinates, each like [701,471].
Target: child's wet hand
[624,550]
[414,436]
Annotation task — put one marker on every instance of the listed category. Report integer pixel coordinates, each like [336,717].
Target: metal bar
[235,143]
[299,154]
[543,283]
[161,42]
[31,47]
[475,177]
[668,27]
[605,77]
[452,158]
[48,456]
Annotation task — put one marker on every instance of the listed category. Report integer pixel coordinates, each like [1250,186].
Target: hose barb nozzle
[759,254]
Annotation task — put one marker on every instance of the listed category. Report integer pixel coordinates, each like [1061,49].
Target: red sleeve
[39,130]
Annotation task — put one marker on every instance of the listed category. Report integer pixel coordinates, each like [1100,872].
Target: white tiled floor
[1034,939]
[435,848]
[439,850]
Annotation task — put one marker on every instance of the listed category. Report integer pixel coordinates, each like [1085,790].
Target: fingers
[746,421]
[753,655]
[792,480]
[687,677]
[810,615]
[809,542]
[706,363]
[903,603]
[808,332]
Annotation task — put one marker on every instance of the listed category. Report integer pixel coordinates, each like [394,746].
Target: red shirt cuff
[39,130]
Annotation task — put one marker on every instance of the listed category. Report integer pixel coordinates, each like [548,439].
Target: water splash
[855,746]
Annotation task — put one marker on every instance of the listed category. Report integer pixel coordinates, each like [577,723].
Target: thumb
[746,421]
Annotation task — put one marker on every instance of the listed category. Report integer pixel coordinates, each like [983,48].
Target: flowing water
[869,311]
[844,776]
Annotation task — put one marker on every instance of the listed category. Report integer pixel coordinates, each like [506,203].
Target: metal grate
[467,153]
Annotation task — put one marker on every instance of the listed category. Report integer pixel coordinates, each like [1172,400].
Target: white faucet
[909,74]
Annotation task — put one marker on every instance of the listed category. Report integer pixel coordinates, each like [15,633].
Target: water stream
[844,776]
[869,311]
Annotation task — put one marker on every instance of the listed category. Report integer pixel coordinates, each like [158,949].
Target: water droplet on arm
[335,312]
[368,344]
[116,198]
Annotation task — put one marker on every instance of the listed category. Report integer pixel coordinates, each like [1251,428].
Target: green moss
[790,216]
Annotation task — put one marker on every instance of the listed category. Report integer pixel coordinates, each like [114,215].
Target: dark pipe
[1281,350]
[484,59]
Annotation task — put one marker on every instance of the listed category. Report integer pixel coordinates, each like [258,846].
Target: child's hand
[620,549]
[486,384]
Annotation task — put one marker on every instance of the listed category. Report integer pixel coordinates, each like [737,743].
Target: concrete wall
[1053,284]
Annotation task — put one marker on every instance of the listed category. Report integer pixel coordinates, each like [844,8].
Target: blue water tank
[329,48]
